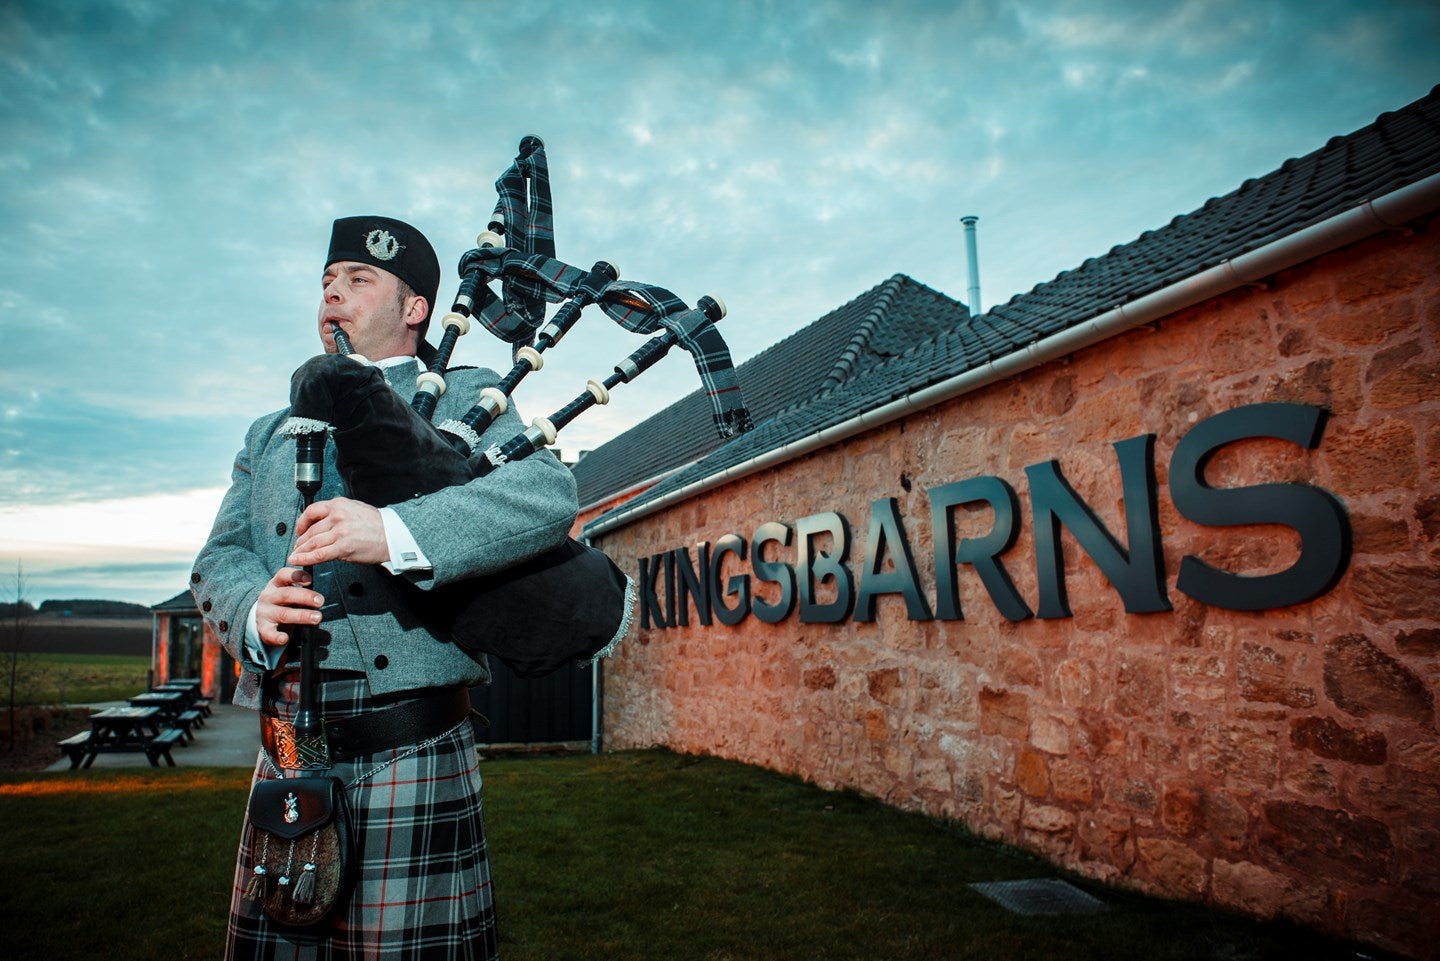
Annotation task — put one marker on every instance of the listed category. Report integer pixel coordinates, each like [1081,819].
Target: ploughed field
[57,634]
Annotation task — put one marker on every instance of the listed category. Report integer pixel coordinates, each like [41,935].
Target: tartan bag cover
[422,876]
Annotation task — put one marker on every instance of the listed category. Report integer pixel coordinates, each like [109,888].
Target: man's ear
[416,310]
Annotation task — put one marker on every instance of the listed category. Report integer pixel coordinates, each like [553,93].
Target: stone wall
[1285,762]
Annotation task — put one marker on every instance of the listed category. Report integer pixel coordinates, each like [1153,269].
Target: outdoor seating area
[153,722]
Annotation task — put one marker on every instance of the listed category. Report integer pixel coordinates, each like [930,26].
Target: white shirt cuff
[257,652]
[405,554]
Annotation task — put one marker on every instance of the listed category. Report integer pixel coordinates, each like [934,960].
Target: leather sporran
[300,846]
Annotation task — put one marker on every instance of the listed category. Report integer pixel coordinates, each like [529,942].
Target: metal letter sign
[1136,569]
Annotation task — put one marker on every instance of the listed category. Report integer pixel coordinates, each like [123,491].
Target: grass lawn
[634,855]
[79,678]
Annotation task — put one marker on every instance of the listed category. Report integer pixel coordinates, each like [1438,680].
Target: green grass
[635,855]
[77,678]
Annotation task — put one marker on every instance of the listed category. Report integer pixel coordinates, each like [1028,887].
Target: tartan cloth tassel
[695,332]
[528,217]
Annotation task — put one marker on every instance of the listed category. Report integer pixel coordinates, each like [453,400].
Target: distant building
[182,646]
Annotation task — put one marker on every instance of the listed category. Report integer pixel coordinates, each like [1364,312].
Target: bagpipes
[570,604]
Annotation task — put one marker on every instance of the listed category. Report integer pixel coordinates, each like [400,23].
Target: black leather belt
[405,724]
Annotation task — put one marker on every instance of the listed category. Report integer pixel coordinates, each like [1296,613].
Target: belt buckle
[293,752]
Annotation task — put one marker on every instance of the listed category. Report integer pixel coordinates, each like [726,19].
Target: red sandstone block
[1031,775]
[1240,755]
[1231,339]
[1363,680]
[1181,809]
[1047,819]
[1311,782]
[1258,890]
[1266,675]
[1325,842]
[1370,325]
[1415,383]
[1332,382]
[1325,737]
[1384,276]
[875,728]
[1173,865]
[1078,684]
[1004,713]
[1378,533]
[1072,781]
[1107,837]
[1139,687]
[1373,457]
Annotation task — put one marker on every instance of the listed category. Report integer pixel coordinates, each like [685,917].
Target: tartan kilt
[422,887]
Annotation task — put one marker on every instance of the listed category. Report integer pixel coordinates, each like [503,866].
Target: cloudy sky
[169,171]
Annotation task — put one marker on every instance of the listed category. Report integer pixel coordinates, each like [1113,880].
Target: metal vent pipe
[973,260]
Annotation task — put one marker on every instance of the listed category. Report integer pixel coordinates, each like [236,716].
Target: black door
[534,710]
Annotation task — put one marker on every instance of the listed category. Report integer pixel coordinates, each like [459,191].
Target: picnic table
[191,694]
[168,703]
[123,729]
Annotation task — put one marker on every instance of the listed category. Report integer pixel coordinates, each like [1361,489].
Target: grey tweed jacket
[491,523]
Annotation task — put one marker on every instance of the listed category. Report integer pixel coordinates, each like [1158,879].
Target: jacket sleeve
[522,509]
[228,574]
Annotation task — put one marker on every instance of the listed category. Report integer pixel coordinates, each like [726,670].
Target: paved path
[230,738]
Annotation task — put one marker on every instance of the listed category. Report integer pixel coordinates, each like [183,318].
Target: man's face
[365,301]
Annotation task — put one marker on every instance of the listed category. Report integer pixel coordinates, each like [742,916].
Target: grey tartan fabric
[524,207]
[551,279]
[423,891]
[695,332]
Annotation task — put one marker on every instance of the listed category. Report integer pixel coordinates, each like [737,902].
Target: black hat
[392,245]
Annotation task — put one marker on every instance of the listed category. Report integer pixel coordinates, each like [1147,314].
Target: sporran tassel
[255,890]
[305,887]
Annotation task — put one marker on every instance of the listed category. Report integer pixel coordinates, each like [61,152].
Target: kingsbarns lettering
[822,542]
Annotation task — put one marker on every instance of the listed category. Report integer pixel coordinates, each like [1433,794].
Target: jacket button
[205,607]
[357,589]
[224,626]
[381,661]
[280,528]
[195,577]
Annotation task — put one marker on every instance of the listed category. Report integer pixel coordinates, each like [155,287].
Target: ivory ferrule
[541,433]
[459,321]
[494,400]
[531,356]
[431,383]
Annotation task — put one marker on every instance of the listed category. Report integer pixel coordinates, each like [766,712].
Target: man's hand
[285,600]
[339,530]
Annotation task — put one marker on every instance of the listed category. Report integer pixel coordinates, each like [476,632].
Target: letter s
[1317,515]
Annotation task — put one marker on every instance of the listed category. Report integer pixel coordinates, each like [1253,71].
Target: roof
[184,601]
[879,324]
[1398,149]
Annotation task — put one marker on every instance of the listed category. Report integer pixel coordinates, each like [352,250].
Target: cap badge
[381,245]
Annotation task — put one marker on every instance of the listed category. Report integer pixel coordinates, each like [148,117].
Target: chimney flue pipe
[973,259]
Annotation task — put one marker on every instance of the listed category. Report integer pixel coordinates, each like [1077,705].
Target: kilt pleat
[422,890]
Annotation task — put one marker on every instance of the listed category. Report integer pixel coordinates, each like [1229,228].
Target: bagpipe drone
[571,604]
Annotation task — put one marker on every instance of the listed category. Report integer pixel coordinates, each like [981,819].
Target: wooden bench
[160,745]
[202,704]
[76,747]
[190,720]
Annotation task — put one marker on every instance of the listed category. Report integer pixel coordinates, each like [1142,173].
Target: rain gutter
[1366,219]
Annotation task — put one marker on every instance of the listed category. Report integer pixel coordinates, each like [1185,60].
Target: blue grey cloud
[169,170]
